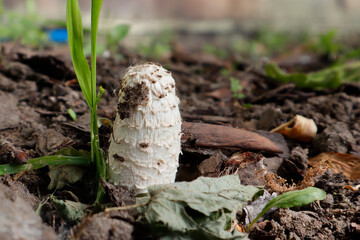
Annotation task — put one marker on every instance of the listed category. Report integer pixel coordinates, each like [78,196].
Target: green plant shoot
[292,199]
[72,114]
[331,77]
[87,77]
[236,88]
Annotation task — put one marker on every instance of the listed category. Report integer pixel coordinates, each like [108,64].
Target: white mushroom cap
[145,143]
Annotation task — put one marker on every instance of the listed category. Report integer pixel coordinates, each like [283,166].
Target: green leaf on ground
[71,212]
[205,207]
[292,199]
[331,77]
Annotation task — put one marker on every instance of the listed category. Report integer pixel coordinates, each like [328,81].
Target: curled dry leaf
[356,188]
[347,164]
[299,128]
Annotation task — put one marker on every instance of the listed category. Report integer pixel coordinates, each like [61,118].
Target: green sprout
[330,77]
[72,114]
[87,77]
[215,51]
[296,198]
[236,88]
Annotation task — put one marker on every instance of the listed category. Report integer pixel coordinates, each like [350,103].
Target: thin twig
[125,207]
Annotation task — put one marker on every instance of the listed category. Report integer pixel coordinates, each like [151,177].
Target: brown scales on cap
[133,96]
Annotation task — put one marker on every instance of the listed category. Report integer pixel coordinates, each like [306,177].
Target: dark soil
[38,87]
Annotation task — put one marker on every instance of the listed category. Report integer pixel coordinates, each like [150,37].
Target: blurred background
[216,26]
[220,15]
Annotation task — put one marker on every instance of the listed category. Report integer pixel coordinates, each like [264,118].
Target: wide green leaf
[204,207]
[292,199]
[75,38]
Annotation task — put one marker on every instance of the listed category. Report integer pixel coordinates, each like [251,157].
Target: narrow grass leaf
[95,13]
[75,36]
[292,199]
[40,162]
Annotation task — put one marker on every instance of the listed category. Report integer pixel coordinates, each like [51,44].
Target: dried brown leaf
[347,164]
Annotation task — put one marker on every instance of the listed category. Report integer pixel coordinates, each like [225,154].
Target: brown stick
[218,136]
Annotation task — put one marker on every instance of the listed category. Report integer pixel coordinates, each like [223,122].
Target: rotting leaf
[347,164]
[64,174]
[292,199]
[71,212]
[204,207]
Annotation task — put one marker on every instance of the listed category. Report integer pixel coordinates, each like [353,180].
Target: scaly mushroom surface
[145,143]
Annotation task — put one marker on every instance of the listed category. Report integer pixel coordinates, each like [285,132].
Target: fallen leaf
[205,207]
[347,164]
[299,128]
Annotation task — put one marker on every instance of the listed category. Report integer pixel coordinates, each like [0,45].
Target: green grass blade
[96,155]
[95,13]
[40,162]
[292,199]
[75,36]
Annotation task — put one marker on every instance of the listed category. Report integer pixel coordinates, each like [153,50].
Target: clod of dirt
[105,226]
[51,141]
[296,164]
[269,230]
[133,97]
[268,118]
[335,138]
[9,116]
[302,224]
[17,71]
[210,167]
[118,195]
[18,220]
[6,84]
[21,190]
